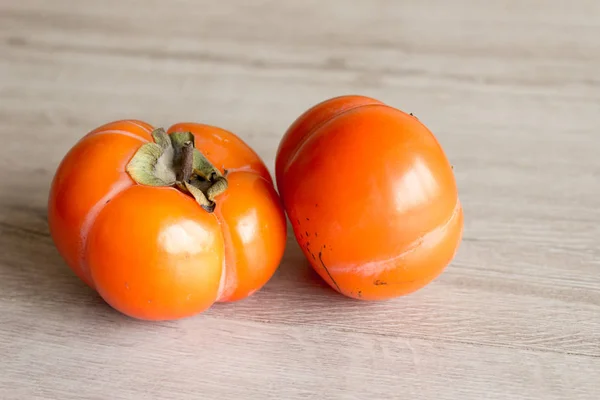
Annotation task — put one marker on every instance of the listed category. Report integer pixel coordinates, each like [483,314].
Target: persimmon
[164,224]
[371,196]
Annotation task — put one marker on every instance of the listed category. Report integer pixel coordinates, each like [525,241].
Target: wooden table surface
[511,88]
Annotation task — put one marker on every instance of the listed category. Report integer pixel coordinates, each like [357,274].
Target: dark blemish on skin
[360,293]
[308,219]
[313,256]
[107,201]
[307,235]
[379,283]
[326,270]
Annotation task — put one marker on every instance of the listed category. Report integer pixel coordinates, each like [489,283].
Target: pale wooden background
[510,87]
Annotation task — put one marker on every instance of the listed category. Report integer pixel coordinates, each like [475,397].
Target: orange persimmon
[371,197]
[164,224]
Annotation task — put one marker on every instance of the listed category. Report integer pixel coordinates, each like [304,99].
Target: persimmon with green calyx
[371,197]
[164,224]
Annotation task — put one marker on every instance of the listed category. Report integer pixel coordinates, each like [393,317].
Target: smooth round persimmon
[371,197]
[164,224]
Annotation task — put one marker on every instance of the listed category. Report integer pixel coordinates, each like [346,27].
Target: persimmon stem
[187,162]
[173,161]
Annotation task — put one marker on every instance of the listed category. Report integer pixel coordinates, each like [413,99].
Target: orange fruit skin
[152,252]
[371,197]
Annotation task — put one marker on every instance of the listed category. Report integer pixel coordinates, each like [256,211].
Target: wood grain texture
[510,87]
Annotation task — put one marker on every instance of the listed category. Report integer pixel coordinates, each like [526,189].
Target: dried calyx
[172,160]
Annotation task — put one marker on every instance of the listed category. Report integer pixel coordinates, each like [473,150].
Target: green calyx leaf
[218,186]
[178,139]
[200,197]
[161,138]
[173,161]
[149,166]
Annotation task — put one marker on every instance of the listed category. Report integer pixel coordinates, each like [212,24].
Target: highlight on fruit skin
[371,197]
[162,224]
